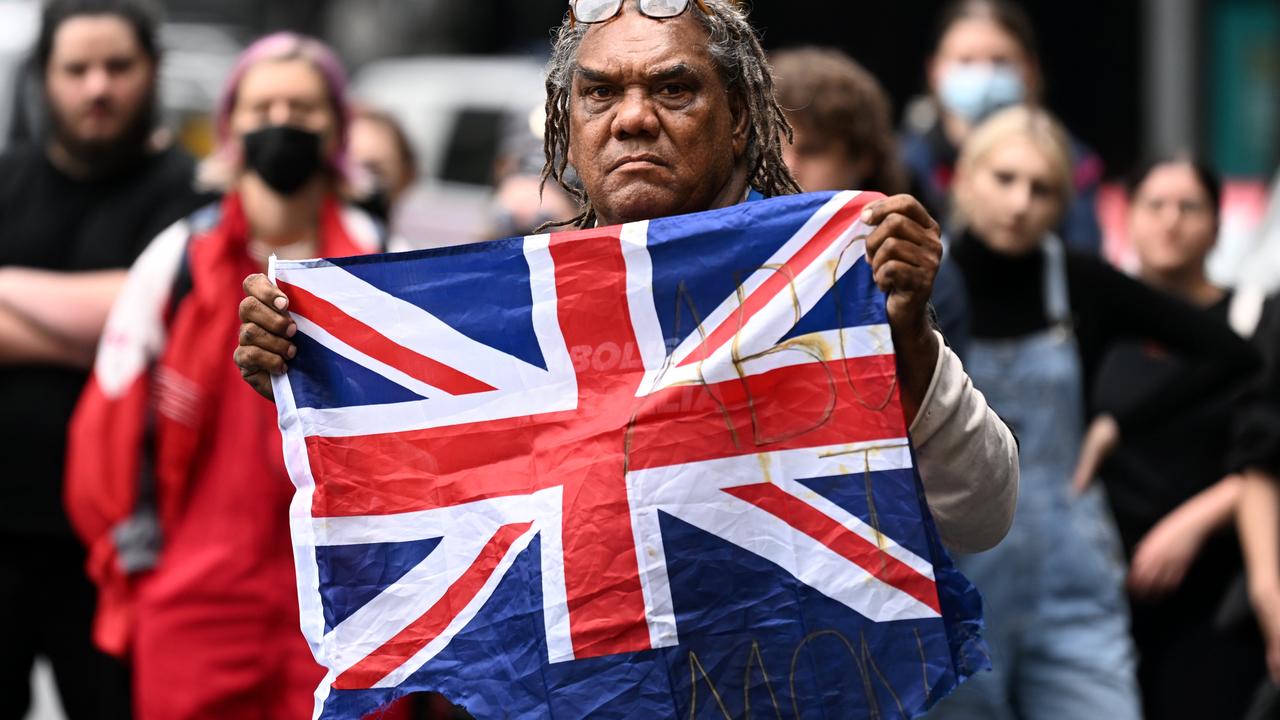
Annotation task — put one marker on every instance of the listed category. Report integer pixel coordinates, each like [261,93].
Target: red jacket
[165,412]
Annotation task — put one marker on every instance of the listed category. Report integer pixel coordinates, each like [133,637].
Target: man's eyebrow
[591,75]
[669,72]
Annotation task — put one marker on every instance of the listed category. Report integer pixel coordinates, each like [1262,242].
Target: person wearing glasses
[665,107]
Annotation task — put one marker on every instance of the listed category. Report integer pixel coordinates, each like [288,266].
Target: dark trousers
[47,603]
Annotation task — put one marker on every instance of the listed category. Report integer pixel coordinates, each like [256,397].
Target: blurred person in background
[985,58]
[843,140]
[378,146]
[175,476]
[1169,485]
[76,208]
[521,202]
[842,123]
[1041,321]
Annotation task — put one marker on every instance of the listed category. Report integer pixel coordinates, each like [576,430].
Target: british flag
[654,470]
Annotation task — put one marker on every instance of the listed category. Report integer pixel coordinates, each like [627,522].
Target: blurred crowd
[144,506]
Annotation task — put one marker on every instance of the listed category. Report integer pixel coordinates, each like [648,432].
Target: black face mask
[285,157]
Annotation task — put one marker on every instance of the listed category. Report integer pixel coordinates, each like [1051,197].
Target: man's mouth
[637,161]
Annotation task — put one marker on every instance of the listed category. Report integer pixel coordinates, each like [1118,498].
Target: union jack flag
[654,470]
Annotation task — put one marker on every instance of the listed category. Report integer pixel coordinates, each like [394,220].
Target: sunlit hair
[1020,122]
[220,169]
[744,69]
[828,94]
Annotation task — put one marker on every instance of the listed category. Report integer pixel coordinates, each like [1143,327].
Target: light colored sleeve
[968,460]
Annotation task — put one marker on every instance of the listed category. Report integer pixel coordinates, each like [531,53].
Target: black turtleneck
[1006,300]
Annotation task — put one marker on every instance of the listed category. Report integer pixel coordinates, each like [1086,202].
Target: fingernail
[293,350]
[866,215]
[293,330]
[281,302]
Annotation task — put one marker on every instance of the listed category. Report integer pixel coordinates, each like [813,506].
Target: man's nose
[97,82]
[635,116]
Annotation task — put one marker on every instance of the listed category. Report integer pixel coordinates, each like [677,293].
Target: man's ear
[741,120]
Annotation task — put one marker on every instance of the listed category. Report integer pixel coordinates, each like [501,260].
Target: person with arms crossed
[75,210]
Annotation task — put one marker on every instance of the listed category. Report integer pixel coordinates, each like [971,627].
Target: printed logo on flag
[654,470]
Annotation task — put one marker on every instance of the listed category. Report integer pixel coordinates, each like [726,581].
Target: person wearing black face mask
[284,156]
[203,606]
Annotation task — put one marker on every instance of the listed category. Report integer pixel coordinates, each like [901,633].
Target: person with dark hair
[985,58]
[842,121]
[665,108]
[76,208]
[1170,487]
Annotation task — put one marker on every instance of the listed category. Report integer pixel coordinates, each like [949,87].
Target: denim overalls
[1053,595]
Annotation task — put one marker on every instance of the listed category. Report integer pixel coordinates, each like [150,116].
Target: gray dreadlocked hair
[746,74]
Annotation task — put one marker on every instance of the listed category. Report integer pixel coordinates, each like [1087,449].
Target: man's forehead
[91,35]
[634,44]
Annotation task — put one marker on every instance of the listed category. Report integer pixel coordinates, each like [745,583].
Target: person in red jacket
[175,477]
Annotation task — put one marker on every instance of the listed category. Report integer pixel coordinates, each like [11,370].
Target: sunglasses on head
[595,11]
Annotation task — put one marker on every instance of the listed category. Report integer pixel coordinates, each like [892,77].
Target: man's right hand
[264,334]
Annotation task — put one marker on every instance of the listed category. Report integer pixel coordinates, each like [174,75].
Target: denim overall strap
[1052,591]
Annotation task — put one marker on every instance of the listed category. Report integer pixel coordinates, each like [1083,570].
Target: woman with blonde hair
[175,478]
[1041,320]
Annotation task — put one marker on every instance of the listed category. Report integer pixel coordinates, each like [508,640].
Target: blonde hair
[1030,123]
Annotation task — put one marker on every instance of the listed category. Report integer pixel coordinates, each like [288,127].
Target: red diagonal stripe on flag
[415,470]
[406,643]
[377,346]
[778,281]
[844,542]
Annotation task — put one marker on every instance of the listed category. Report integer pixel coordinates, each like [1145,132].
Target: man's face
[652,128]
[98,80]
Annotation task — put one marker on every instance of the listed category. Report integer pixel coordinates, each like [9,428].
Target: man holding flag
[665,108]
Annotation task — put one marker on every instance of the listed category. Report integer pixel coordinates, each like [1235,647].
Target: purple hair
[288,46]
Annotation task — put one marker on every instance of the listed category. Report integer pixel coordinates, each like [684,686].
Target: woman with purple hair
[175,476]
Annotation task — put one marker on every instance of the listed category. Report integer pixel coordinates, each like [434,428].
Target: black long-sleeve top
[1007,299]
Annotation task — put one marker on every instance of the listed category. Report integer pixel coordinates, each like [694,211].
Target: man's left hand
[905,249]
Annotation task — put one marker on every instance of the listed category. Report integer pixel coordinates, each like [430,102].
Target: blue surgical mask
[975,90]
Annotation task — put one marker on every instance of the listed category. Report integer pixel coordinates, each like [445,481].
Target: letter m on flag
[657,470]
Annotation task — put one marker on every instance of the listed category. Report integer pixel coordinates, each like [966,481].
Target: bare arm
[1164,554]
[22,343]
[1258,515]
[1258,518]
[70,307]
